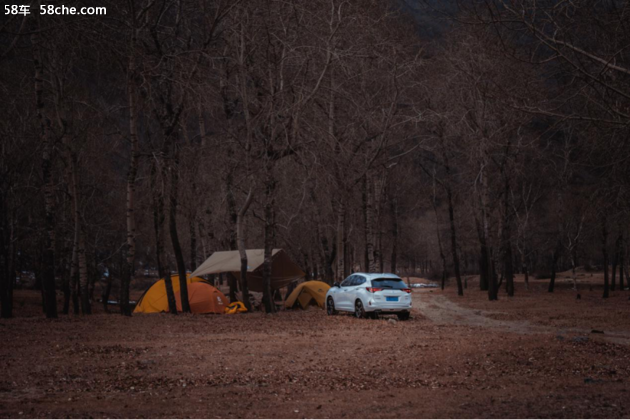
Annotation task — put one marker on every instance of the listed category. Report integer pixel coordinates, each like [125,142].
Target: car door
[353,289]
[342,300]
[336,293]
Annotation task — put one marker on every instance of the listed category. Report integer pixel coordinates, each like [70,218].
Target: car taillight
[374,289]
[406,290]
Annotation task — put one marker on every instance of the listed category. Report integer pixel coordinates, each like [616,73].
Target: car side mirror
[335,284]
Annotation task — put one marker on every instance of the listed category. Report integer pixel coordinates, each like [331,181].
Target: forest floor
[532,355]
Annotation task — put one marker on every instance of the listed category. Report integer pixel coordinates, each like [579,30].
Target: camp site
[315,209]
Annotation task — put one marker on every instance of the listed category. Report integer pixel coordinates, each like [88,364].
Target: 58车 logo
[17,9]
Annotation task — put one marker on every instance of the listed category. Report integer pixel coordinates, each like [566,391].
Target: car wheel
[359,311]
[330,307]
[403,316]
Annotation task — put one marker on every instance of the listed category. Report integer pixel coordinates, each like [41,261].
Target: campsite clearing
[457,357]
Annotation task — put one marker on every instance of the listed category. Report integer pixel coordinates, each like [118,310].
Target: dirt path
[443,311]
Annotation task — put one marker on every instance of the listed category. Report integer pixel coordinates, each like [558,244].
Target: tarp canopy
[308,293]
[283,269]
[203,297]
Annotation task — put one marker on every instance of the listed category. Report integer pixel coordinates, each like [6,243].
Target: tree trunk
[192,229]
[240,237]
[170,294]
[267,294]
[327,255]
[192,217]
[172,222]
[66,264]
[444,269]
[509,270]
[74,262]
[39,283]
[202,237]
[485,275]
[451,218]
[484,268]
[554,263]
[48,260]
[379,187]
[158,220]
[79,259]
[379,247]
[573,267]
[83,277]
[329,258]
[129,271]
[613,280]
[493,286]
[394,258]
[620,262]
[314,266]
[366,229]
[324,253]
[231,280]
[508,267]
[307,267]
[106,292]
[526,273]
[233,215]
[439,238]
[373,198]
[94,276]
[341,241]
[269,227]
[6,278]
[605,255]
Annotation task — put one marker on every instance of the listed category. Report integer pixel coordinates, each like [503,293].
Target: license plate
[392,298]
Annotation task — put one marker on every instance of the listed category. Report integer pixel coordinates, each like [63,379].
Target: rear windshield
[389,283]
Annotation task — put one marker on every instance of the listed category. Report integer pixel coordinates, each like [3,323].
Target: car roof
[372,276]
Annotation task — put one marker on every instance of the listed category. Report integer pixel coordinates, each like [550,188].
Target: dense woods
[341,132]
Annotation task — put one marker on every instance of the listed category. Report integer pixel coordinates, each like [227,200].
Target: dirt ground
[533,355]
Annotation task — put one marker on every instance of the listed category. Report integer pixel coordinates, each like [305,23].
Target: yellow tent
[155,299]
[308,293]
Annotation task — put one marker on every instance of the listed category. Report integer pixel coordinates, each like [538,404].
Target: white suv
[368,295]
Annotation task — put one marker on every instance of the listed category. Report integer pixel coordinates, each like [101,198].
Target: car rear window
[389,283]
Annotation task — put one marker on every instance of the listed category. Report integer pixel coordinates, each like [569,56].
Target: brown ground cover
[561,309]
[532,355]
